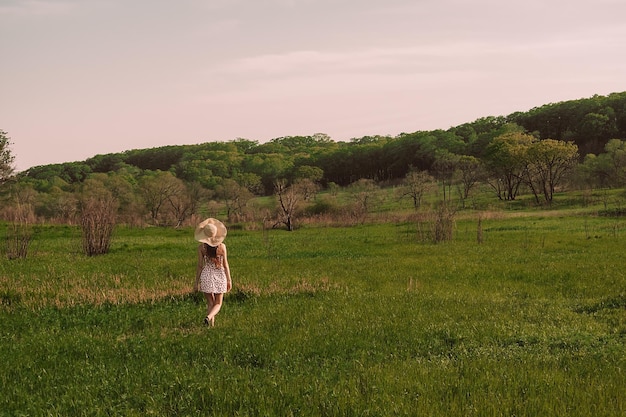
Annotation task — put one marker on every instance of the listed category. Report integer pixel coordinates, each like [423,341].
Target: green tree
[197,171]
[591,171]
[309,172]
[607,168]
[269,167]
[415,151]
[105,163]
[70,172]
[445,166]
[245,145]
[156,159]
[616,153]
[338,166]
[58,205]
[596,127]
[6,158]
[548,162]
[470,171]
[506,163]
[223,163]
[251,181]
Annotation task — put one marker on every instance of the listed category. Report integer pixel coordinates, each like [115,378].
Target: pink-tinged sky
[85,77]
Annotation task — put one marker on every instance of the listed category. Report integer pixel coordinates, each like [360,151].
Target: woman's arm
[198,268]
[229,283]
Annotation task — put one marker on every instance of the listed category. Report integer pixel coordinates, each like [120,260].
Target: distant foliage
[540,151]
[589,123]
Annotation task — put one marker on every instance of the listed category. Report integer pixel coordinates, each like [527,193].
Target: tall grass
[366,320]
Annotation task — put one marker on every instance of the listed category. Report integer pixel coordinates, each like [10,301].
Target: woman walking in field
[212,272]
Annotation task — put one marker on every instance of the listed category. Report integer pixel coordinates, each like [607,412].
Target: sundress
[212,277]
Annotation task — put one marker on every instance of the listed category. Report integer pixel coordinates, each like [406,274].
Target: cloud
[365,60]
[308,73]
[427,65]
[26,8]
[394,60]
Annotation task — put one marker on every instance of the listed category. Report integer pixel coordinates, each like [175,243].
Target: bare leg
[210,301]
[215,307]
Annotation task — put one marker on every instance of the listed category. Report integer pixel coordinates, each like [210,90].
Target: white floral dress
[213,277]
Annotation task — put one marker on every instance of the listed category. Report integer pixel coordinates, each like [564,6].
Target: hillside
[589,123]
[573,145]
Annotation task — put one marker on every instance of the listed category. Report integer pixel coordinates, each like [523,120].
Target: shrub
[19,231]
[97,221]
[436,226]
[321,206]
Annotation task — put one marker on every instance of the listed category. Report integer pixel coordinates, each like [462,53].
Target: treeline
[572,143]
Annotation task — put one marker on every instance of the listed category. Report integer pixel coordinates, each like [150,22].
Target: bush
[321,206]
[19,233]
[436,226]
[97,221]
[18,239]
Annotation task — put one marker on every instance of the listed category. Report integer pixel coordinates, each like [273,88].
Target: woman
[212,272]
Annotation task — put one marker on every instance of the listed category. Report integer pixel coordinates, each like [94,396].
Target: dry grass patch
[95,290]
[250,290]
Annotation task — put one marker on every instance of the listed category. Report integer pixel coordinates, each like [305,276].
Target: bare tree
[416,184]
[157,190]
[235,197]
[287,197]
[185,203]
[308,188]
[363,193]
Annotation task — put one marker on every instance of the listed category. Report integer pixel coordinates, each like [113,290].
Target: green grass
[353,321]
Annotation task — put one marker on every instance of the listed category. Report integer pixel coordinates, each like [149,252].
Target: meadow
[365,320]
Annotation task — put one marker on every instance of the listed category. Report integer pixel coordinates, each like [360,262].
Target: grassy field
[358,321]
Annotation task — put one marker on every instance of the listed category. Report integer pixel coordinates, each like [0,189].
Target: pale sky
[85,77]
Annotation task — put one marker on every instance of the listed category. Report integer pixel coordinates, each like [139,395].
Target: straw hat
[211,231]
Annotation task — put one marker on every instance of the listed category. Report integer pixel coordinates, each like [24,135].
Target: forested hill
[589,123]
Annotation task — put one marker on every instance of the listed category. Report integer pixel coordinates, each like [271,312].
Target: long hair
[210,252]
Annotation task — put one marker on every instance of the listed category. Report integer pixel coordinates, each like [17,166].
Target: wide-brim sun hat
[210,231]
